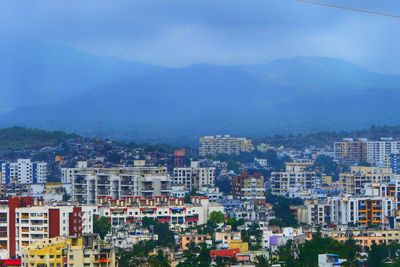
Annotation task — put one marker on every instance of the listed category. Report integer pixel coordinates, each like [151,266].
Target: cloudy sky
[182,32]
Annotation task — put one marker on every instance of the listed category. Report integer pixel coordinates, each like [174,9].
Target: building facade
[194,177]
[88,250]
[248,187]
[23,171]
[224,144]
[88,184]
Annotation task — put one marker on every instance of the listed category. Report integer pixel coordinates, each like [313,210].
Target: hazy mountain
[34,74]
[291,95]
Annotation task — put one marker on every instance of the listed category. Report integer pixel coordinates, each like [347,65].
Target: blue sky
[183,32]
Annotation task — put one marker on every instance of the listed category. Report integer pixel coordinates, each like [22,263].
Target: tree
[262,261]
[234,223]
[253,236]
[216,217]
[101,226]
[224,184]
[137,255]
[281,208]
[166,237]
[159,260]
[196,255]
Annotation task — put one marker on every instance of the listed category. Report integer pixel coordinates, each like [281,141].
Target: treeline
[327,138]
[17,138]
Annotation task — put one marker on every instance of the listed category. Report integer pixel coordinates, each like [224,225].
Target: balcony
[147,189]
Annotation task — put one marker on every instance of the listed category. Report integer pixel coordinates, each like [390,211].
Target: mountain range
[53,87]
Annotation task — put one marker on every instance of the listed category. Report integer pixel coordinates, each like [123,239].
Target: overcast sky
[182,32]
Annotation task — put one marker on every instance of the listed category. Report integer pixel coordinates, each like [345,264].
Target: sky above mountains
[182,32]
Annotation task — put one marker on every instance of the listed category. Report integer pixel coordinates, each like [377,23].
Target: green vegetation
[321,139]
[307,254]
[196,256]
[224,184]
[17,138]
[234,223]
[139,255]
[101,226]
[166,238]
[281,208]
[216,217]
[233,161]
[253,236]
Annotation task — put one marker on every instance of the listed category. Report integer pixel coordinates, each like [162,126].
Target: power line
[349,8]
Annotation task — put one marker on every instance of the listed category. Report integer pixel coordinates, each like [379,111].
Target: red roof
[10,262]
[231,253]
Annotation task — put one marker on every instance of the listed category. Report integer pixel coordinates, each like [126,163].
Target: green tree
[166,237]
[281,208]
[159,260]
[234,223]
[253,236]
[216,217]
[262,261]
[101,226]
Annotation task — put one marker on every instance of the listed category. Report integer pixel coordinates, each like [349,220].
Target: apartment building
[24,221]
[23,171]
[364,210]
[88,250]
[290,183]
[193,177]
[365,237]
[224,144]
[354,181]
[248,187]
[379,151]
[314,213]
[350,151]
[88,184]
[393,161]
[163,209]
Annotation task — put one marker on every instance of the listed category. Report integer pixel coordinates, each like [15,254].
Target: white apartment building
[24,171]
[193,176]
[175,212]
[283,183]
[88,184]
[224,144]
[24,221]
[378,151]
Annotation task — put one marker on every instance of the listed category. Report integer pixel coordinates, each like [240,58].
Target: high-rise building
[394,162]
[224,144]
[90,183]
[194,177]
[351,151]
[24,220]
[353,182]
[248,187]
[24,171]
[379,151]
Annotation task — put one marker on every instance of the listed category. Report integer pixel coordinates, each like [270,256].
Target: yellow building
[366,237]
[88,251]
[193,238]
[326,180]
[237,243]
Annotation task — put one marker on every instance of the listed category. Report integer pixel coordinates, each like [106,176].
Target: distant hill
[298,95]
[17,138]
[36,73]
[320,139]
